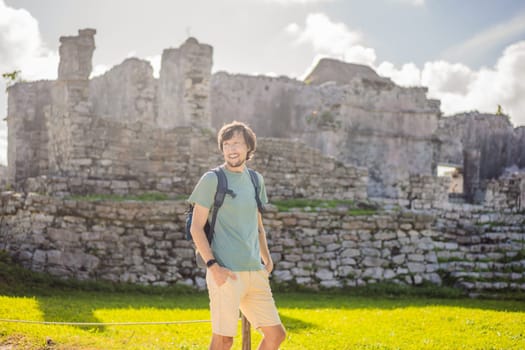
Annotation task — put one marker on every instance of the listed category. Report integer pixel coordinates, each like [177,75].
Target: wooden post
[246,334]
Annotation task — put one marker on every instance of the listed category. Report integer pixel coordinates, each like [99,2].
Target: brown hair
[227,131]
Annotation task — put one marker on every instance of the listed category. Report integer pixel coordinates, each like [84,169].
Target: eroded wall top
[76,53]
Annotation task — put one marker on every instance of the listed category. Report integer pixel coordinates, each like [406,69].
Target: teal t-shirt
[235,242]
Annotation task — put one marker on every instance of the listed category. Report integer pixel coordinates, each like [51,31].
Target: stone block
[416,267]
[324,274]
[373,262]
[282,275]
[373,272]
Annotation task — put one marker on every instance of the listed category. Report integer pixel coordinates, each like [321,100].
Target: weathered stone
[416,267]
[373,272]
[283,275]
[372,261]
[324,274]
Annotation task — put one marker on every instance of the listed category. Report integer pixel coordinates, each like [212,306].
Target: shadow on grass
[345,300]
[295,324]
[80,306]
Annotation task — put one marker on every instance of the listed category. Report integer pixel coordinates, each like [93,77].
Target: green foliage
[361,212]
[308,204]
[518,257]
[146,197]
[378,290]
[353,208]
[12,78]
[442,260]
[447,279]
[325,119]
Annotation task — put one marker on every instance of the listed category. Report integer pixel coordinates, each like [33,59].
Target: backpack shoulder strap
[256,185]
[220,194]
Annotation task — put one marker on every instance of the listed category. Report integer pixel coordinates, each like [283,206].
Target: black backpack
[220,194]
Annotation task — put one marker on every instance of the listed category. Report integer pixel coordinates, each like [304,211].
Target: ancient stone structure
[368,122]
[505,193]
[349,112]
[346,111]
[488,145]
[143,242]
[3,176]
[107,130]
[344,133]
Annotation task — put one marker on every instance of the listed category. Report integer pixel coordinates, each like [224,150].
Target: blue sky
[469,53]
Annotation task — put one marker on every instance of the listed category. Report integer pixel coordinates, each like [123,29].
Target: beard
[235,163]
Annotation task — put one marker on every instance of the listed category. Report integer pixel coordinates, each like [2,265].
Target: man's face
[235,150]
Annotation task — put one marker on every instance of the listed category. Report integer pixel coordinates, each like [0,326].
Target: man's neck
[238,169]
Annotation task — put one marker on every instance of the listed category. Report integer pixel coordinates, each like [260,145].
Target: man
[238,261]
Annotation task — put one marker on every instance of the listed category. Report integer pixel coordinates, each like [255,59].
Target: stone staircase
[485,256]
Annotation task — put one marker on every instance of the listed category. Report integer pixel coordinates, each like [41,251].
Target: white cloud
[444,76]
[327,36]
[457,86]
[331,39]
[19,35]
[360,54]
[98,70]
[461,89]
[298,2]
[21,48]
[486,39]
[408,75]
[485,89]
[155,63]
[412,2]
[292,28]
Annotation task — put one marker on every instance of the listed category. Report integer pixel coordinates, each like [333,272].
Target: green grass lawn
[313,320]
[377,317]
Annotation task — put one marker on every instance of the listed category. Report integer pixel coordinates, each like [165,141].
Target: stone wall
[109,127]
[428,192]
[143,242]
[184,86]
[291,169]
[419,192]
[520,136]
[481,250]
[129,93]
[126,93]
[27,136]
[482,144]
[133,242]
[367,122]
[333,248]
[344,110]
[505,194]
[3,176]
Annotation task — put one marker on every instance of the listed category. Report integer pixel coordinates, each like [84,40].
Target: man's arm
[263,244]
[200,216]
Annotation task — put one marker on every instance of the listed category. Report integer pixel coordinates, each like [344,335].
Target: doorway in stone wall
[456,191]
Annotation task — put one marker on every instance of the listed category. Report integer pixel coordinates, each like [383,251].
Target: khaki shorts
[250,293]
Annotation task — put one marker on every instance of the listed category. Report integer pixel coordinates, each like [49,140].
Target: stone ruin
[128,127]
[342,133]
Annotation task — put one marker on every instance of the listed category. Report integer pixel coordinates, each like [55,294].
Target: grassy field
[374,318]
[314,321]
